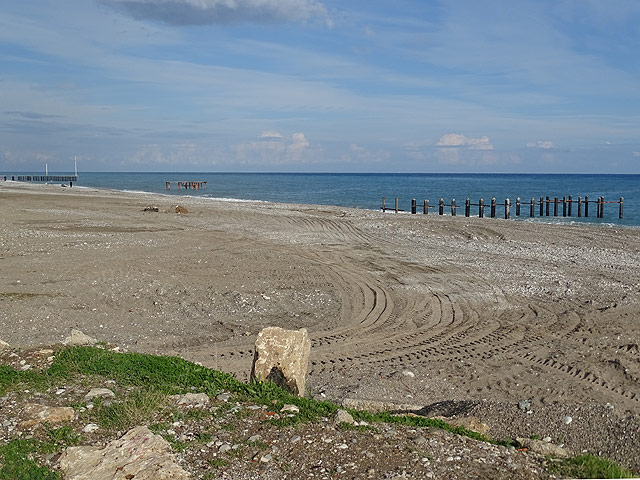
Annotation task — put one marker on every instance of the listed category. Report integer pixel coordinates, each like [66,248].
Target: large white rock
[138,455]
[282,356]
[78,338]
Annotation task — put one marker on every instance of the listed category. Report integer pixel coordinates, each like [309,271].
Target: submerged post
[426,207]
[507,208]
[533,207]
[555,207]
[467,207]
[621,202]
[547,207]
[413,206]
[579,206]
[570,204]
[586,206]
[481,208]
[564,206]
[383,206]
[517,206]
[168,185]
[396,204]
[441,207]
[453,207]
[493,207]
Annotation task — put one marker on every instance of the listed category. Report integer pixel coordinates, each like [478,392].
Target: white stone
[78,338]
[138,454]
[99,393]
[91,427]
[282,356]
[3,345]
[342,416]
[191,399]
[408,373]
[290,408]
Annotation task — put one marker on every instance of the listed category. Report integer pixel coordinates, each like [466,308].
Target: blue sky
[311,85]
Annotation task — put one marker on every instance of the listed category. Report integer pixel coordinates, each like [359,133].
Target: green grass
[590,466]
[149,379]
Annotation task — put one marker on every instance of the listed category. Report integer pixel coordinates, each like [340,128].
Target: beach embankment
[519,324]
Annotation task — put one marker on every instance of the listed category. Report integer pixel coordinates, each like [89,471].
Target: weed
[590,466]
[203,437]
[137,408]
[15,461]
[218,463]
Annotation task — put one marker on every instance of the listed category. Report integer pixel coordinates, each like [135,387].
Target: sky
[531,86]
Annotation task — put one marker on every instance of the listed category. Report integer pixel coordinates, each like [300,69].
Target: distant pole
[621,202]
[570,204]
[547,208]
[467,207]
[481,208]
[413,206]
[555,207]
[453,207]
[507,208]
[533,207]
[541,206]
[579,207]
[441,207]
[586,206]
[493,207]
[383,206]
[426,207]
[517,206]
[396,204]
[564,206]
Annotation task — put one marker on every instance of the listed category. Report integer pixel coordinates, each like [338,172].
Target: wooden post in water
[426,207]
[564,206]
[541,206]
[555,206]
[441,207]
[481,208]
[493,207]
[453,207]
[579,206]
[413,206]
[507,208]
[601,207]
[168,185]
[570,204]
[621,202]
[383,206]
[532,207]
[517,206]
[467,207]
[547,209]
[396,204]
[586,206]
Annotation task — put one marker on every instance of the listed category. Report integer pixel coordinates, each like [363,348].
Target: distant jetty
[42,178]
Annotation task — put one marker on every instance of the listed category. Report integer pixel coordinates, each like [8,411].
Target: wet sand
[457,316]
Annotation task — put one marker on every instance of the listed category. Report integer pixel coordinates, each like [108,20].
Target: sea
[365,190]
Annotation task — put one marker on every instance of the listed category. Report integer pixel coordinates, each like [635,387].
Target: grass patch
[137,408]
[589,466]
[17,464]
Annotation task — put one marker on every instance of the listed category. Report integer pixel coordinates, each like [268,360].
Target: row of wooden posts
[196,185]
[544,206]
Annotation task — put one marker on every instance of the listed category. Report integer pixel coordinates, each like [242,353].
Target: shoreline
[482,313]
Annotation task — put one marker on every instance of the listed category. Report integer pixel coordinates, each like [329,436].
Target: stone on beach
[282,356]
[36,414]
[138,454]
[3,345]
[79,338]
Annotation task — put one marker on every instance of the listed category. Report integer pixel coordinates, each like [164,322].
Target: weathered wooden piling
[467,207]
[579,206]
[441,207]
[517,206]
[396,204]
[586,206]
[555,206]
[570,204]
[621,202]
[481,208]
[564,206]
[532,208]
[425,208]
[413,206]
[547,207]
[384,208]
[493,207]
[453,207]
[507,208]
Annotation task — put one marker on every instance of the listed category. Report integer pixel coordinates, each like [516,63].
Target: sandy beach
[449,315]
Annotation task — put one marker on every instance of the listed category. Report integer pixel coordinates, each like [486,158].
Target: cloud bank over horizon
[320,85]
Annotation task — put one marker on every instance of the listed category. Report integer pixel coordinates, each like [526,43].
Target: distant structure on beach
[544,206]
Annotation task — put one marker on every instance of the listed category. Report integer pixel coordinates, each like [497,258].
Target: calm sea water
[366,190]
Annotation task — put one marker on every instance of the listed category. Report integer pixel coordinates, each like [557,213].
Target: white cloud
[204,12]
[460,141]
[274,149]
[636,154]
[544,144]
[357,153]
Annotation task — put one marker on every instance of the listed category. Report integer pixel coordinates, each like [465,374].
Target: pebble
[266,458]
[524,404]
[290,408]
[295,439]
[225,447]
[254,438]
[567,420]
[223,397]
[91,427]
[408,373]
